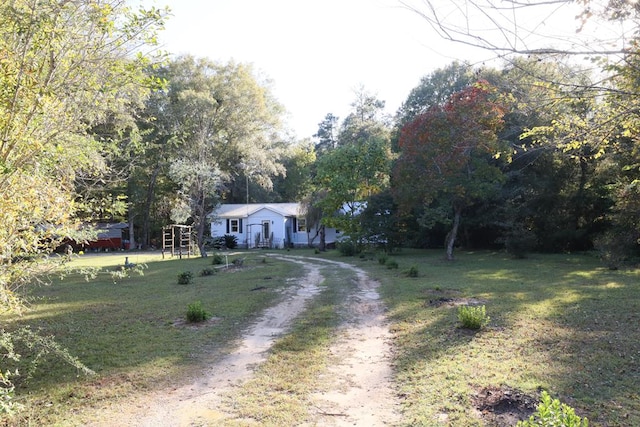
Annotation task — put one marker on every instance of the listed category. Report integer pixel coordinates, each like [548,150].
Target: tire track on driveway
[361,390]
[200,401]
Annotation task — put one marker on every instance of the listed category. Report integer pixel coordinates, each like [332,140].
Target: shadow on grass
[127,330]
[559,322]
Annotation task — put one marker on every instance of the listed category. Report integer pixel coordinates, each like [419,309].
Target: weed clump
[550,412]
[391,264]
[473,317]
[207,272]
[196,313]
[185,278]
[413,271]
[217,259]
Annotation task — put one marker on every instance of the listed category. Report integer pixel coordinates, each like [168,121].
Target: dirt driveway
[363,392]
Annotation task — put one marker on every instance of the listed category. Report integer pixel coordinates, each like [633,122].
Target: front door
[266,231]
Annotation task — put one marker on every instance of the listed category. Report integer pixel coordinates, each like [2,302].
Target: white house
[267,225]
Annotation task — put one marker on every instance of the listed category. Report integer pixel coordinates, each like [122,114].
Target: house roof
[243,210]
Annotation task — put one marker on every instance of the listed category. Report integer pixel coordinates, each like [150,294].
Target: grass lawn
[131,333]
[561,323]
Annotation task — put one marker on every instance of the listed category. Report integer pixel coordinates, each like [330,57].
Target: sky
[316,54]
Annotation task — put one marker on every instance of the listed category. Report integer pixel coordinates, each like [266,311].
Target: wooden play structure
[178,241]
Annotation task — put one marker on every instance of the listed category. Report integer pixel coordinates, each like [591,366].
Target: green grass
[562,323]
[127,333]
[279,392]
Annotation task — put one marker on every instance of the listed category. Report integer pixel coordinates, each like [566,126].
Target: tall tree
[65,67]
[450,148]
[226,124]
[358,168]
[327,135]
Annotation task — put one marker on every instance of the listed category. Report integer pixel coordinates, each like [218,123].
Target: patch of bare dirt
[450,298]
[503,406]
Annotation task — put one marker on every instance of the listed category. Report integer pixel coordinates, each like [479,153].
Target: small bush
[472,317]
[230,241]
[413,271]
[185,278]
[550,412]
[391,264]
[347,248]
[382,259]
[208,272]
[217,259]
[196,313]
[519,241]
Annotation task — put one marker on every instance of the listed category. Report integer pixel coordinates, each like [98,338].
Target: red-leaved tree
[447,155]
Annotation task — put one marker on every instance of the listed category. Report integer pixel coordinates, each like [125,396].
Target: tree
[435,89]
[358,168]
[526,28]
[450,148]
[350,174]
[298,162]
[65,67]
[327,134]
[225,125]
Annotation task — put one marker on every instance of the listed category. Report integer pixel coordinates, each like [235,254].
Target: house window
[302,225]
[234,225]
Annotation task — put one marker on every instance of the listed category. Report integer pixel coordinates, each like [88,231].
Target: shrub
[382,259]
[347,248]
[185,278]
[615,248]
[391,263]
[217,259]
[196,313]
[208,272]
[519,241]
[230,241]
[550,412]
[472,317]
[413,271]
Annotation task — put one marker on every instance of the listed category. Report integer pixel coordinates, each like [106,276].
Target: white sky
[317,53]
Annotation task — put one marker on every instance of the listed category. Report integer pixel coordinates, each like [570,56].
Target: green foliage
[413,271]
[126,271]
[196,313]
[551,413]
[433,168]
[22,352]
[217,259]
[347,247]
[68,70]
[230,241]
[207,271]
[391,264]
[473,317]
[382,259]
[519,241]
[185,278]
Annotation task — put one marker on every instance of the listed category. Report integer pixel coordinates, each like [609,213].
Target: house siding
[282,223]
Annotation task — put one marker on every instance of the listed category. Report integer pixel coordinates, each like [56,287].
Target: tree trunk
[132,237]
[145,238]
[451,237]
[323,240]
